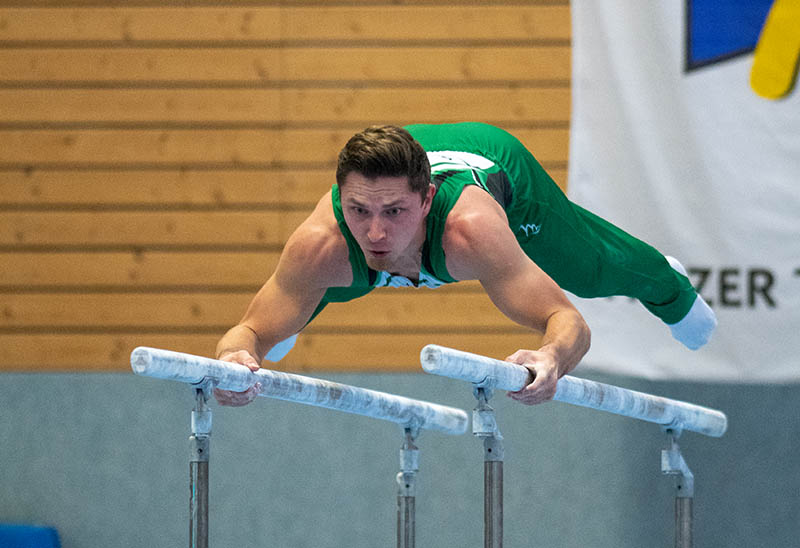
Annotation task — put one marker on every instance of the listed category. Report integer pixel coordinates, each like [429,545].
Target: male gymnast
[427,205]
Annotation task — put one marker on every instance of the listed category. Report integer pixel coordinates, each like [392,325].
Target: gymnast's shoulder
[317,251]
[476,232]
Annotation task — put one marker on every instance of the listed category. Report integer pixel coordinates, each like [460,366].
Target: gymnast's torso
[461,155]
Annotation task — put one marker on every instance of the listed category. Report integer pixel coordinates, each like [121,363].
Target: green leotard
[583,253]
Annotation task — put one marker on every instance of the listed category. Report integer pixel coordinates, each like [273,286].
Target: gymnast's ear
[431,192]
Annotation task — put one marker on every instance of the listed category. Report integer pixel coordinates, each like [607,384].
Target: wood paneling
[148,228]
[214,311]
[135,269]
[223,189]
[159,188]
[276,106]
[301,23]
[285,66]
[204,147]
[155,156]
[314,351]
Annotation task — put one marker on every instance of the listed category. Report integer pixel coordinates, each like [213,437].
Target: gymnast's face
[386,218]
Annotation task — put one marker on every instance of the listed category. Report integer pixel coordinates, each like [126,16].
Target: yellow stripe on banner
[778,51]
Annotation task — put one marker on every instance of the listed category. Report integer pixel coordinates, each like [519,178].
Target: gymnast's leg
[591,257]
[583,253]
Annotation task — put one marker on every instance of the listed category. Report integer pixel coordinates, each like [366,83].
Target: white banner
[670,142]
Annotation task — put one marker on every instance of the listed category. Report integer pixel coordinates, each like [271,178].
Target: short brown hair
[386,151]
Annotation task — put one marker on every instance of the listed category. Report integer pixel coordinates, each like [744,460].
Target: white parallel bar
[197,370]
[492,373]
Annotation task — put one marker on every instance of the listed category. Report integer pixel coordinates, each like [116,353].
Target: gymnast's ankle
[695,328]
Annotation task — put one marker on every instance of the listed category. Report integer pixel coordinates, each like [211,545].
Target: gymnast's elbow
[581,333]
[586,335]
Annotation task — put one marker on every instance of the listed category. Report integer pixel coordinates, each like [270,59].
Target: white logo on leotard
[530,229]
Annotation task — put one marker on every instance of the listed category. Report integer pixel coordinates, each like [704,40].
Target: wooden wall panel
[154,157]
[399,309]
[160,188]
[245,107]
[209,147]
[315,351]
[148,228]
[291,65]
[236,24]
[134,268]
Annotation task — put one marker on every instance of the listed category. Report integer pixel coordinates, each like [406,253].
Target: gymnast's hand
[238,399]
[544,369]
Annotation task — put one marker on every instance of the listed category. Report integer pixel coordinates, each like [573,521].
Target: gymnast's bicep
[309,264]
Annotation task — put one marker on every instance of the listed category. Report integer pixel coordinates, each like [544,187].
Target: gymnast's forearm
[567,338]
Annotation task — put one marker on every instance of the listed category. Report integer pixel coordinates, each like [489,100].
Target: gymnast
[427,205]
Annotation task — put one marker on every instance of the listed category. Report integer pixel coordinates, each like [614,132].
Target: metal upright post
[198,471]
[406,490]
[484,425]
[672,463]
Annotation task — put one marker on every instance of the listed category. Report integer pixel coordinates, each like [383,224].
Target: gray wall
[103,457]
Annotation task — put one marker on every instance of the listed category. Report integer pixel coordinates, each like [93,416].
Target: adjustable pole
[198,471]
[672,463]
[406,490]
[484,425]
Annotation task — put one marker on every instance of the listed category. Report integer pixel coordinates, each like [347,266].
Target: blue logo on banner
[717,30]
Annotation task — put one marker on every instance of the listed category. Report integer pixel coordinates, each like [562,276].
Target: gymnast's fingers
[242,357]
[545,379]
[237,399]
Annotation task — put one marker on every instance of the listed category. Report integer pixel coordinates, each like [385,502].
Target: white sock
[676,265]
[695,329]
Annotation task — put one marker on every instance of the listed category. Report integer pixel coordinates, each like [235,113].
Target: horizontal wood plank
[164,187]
[253,3]
[140,270]
[314,352]
[258,23]
[275,65]
[198,147]
[273,106]
[136,269]
[172,187]
[398,309]
[149,228]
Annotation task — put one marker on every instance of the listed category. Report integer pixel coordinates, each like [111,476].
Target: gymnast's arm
[479,244]
[313,259]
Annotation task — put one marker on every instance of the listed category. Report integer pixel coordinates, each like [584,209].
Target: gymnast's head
[385,151]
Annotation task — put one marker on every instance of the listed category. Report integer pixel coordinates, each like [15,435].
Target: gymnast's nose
[377,229]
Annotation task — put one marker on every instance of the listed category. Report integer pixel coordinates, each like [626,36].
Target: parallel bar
[488,372]
[197,370]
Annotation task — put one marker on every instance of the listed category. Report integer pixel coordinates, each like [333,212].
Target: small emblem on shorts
[530,229]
